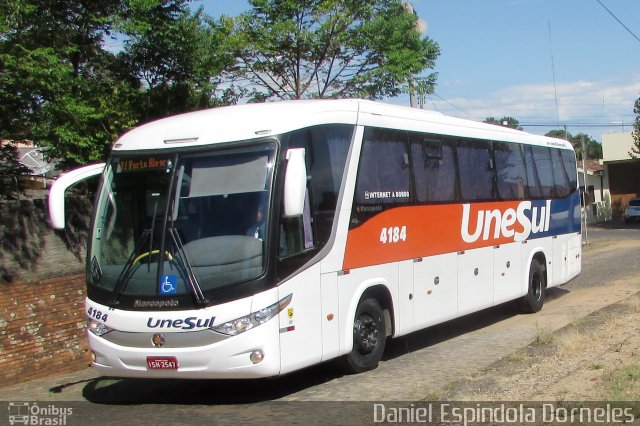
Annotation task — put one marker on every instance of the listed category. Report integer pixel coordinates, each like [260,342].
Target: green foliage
[56,80]
[594,148]
[289,49]
[10,170]
[62,88]
[510,122]
[635,148]
[176,55]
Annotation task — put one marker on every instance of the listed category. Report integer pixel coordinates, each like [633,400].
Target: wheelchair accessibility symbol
[168,284]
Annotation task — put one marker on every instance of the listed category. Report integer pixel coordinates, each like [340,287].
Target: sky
[548,63]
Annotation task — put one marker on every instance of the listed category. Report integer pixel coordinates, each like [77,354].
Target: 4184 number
[393,234]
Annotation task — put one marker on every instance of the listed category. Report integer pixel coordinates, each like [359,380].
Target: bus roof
[250,121]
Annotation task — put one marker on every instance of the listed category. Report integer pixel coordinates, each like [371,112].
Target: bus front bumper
[253,354]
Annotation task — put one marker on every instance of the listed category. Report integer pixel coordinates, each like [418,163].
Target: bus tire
[369,337]
[534,299]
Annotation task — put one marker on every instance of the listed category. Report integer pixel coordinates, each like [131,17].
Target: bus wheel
[534,299]
[369,337]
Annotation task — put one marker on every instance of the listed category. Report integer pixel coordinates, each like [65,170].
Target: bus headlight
[97,328]
[242,324]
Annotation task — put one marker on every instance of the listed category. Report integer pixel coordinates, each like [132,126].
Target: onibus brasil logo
[30,413]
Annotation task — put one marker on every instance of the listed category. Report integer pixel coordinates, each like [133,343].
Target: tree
[288,49]
[635,148]
[62,88]
[510,122]
[594,148]
[175,56]
[559,134]
[57,88]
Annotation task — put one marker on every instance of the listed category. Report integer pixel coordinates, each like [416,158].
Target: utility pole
[412,93]
[584,174]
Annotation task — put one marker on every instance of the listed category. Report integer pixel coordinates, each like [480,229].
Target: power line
[619,21]
[553,70]
[576,124]
[449,103]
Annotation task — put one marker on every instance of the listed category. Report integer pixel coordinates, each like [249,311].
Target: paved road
[415,367]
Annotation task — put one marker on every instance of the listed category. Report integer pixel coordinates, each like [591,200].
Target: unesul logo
[189,323]
[510,223]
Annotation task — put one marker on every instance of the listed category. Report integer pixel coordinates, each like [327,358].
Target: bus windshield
[182,223]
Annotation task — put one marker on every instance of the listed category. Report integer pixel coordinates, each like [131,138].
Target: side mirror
[295,183]
[64,181]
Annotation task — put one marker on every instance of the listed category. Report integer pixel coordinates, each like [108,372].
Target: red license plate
[162,363]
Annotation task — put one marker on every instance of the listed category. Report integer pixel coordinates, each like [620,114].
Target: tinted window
[476,171]
[326,149]
[510,171]
[434,168]
[533,183]
[569,160]
[542,159]
[383,176]
[560,175]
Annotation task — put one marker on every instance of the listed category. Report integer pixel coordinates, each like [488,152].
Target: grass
[634,302]
[543,337]
[519,357]
[433,396]
[623,384]
[573,342]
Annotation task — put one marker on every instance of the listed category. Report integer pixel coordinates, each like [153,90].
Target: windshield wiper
[179,254]
[125,274]
[183,259]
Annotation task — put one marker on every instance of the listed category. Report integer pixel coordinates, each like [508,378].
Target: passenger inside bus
[257,229]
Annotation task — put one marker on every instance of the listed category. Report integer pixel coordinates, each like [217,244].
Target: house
[596,196]
[624,172]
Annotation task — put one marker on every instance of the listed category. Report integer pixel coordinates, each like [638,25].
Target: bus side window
[434,168]
[476,170]
[511,173]
[384,178]
[533,182]
[569,160]
[542,160]
[560,176]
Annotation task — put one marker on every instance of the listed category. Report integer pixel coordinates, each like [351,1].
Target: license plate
[162,363]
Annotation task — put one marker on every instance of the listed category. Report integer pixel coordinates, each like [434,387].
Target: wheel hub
[366,333]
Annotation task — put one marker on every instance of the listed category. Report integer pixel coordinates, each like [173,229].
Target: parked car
[632,212]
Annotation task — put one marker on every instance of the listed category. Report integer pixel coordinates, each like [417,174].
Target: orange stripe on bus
[430,230]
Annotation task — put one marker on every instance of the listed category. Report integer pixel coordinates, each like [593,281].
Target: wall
[616,146]
[42,290]
[31,250]
[599,208]
[42,328]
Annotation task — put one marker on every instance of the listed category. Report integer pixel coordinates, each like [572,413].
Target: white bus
[255,240]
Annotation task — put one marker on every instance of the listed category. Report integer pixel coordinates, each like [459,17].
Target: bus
[255,240]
